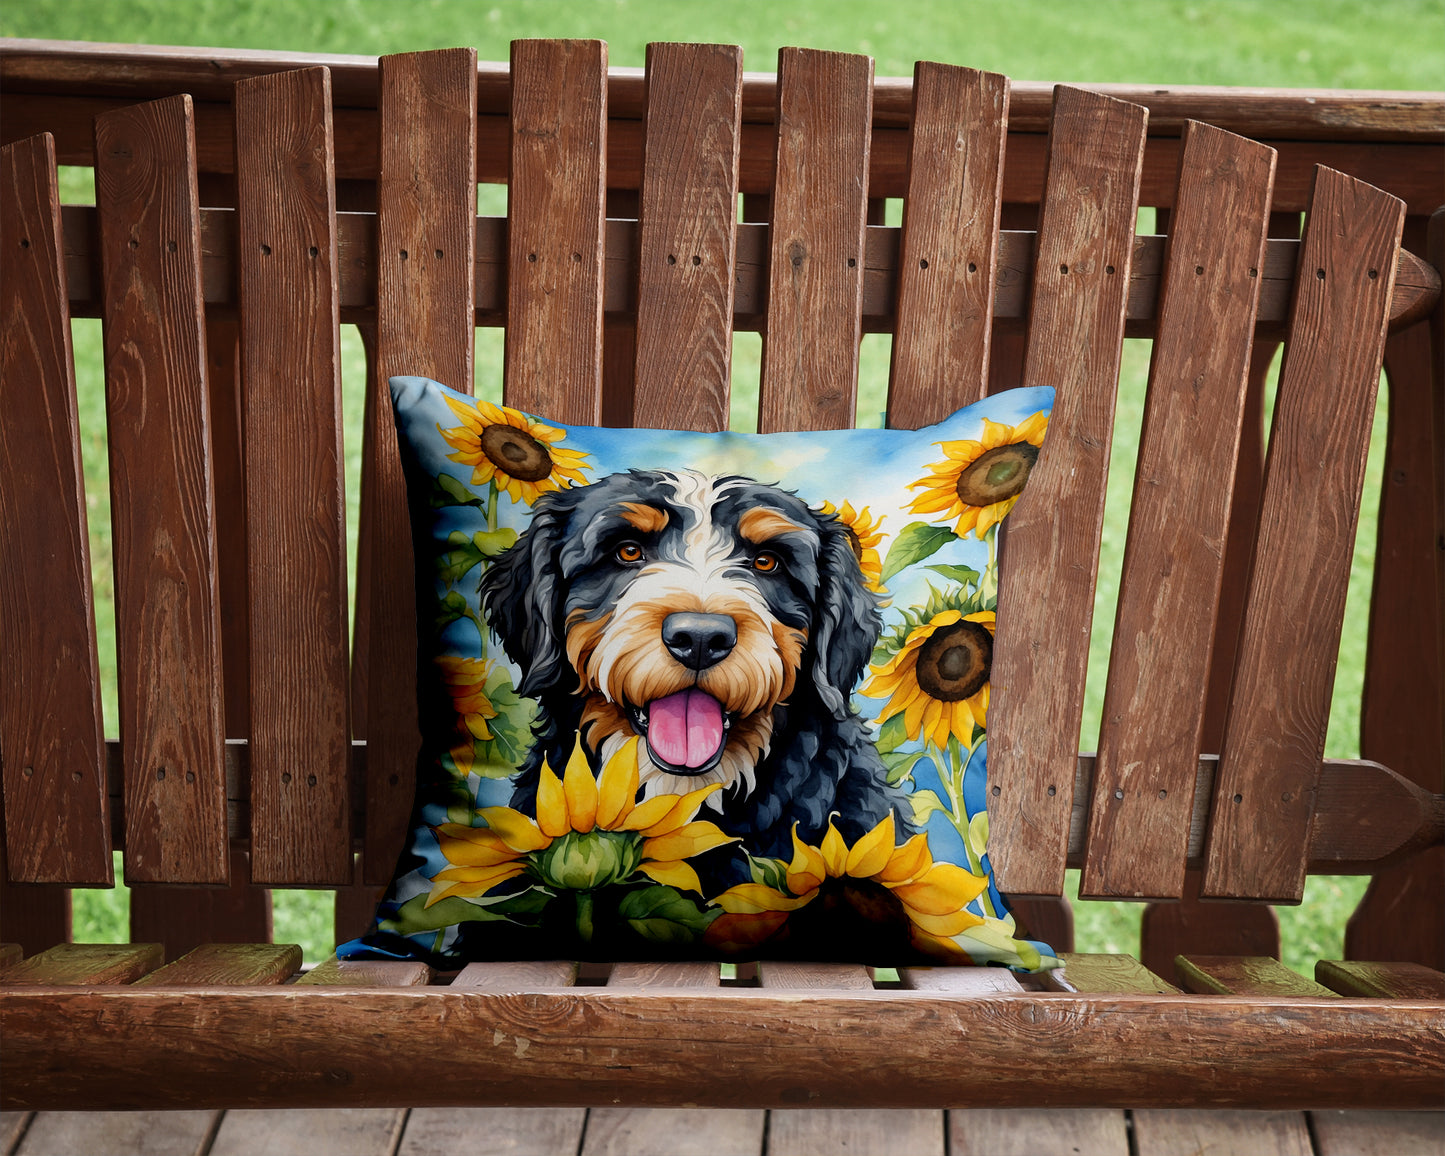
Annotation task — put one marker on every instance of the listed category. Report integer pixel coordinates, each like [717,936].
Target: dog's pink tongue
[685,728]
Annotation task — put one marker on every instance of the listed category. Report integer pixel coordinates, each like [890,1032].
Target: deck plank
[515,1131]
[859,1132]
[674,1132]
[119,1133]
[1186,1132]
[1027,1131]
[1345,1133]
[308,1132]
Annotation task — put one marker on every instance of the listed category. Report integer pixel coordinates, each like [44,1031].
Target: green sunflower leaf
[925,803]
[900,766]
[962,574]
[452,607]
[463,556]
[915,542]
[663,914]
[494,542]
[892,735]
[416,916]
[769,872]
[448,491]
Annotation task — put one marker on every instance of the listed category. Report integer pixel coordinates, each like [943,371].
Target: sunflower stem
[492,510]
[584,915]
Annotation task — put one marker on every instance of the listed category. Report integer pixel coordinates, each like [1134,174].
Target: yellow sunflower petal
[945,888]
[870,854]
[647,814]
[1032,428]
[681,812]
[945,925]
[835,851]
[674,874]
[807,870]
[911,859]
[472,887]
[617,786]
[749,898]
[515,829]
[685,842]
[479,847]
[580,789]
[551,804]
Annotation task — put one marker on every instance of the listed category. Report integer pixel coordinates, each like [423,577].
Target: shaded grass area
[1314,43]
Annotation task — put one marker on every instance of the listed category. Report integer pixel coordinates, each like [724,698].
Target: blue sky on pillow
[711,693]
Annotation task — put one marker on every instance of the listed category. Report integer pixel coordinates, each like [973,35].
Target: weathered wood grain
[555,207]
[978,981]
[669,975]
[1181,1130]
[674,1132]
[1338,1133]
[168,633]
[1275,732]
[323,1132]
[516,1131]
[787,975]
[77,964]
[1076,331]
[886,1131]
[182,918]
[1193,925]
[1098,972]
[1029,1131]
[1243,975]
[57,824]
[294,1046]
[12,1127]
[142,1133]
[1383,980]
[947,266]
[518,975]
[34,915]
[687,236]
[1154,700]
[816,259]
[228,963]
[426,220]
[300,821]
[335,972]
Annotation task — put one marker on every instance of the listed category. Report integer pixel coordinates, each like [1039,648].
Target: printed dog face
[700,613]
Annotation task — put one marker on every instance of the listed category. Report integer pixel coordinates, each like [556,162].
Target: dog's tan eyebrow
[759,526]
[648,519]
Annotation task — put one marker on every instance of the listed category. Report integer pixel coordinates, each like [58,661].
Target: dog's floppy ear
[522,597]
[848,619]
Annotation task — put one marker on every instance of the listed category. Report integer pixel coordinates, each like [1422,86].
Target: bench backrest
[242,696]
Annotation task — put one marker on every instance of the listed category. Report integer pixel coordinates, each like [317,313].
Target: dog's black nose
[699,641]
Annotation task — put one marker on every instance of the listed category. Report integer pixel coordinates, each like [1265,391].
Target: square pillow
[694,695]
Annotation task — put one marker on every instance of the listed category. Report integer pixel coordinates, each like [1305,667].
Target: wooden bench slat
[518,975]
[228,963]
[10,953]
[633,975]
[1275,732]
[1076,332]
[425,258]
[1154,700]
[816,260]
[947,264]
[83,964]
[1243,975]
[687,236]
[1384,980]
[300,820]
[673,1132]
[183,918]
[1029,1131]
[335,972]
[556,206]
[168,641]
[884,1131]
[959,980]
[57,824]
[1100,972]
[34,915]
[785,974]
[1174,1130]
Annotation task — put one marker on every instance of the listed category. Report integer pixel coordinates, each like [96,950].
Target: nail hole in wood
[437,253]
[1254,272]
[1199,270]
[532,257]
[972,268]
[25,242]
[133,243]
[1063,268]
[404,254]
[286,776]
[1163,794]
[1374,273]
[265,250]
[672,259]
[696,260]
[170,246]
[577,257]
[1053,791]
[310,780]
[313,251]
[1118,793]
[923,263]
[76,776]
[852,262]
[995,792]
[1109,269]
[190,776]
[1319,274]
[1239,798]
[160,774]
[28,772]
[394,780]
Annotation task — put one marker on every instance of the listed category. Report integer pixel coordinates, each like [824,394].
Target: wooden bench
[248,203]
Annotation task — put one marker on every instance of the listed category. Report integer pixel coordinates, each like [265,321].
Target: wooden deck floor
[700,1132]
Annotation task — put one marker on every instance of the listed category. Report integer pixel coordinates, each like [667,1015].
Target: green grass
[1306,43]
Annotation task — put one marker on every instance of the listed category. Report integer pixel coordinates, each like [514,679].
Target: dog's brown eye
[629,552]
[766,563]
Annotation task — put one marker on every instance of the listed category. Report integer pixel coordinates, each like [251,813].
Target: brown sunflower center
[854,541]
[954,663]
[997,475]
[519,454]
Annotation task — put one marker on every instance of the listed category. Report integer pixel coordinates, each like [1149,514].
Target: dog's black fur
[820,761]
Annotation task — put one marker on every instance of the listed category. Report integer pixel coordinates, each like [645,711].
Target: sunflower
[465,680]
[864,534]
[981,480]
[508,449]
[588,833]
[938,680]
[876,879]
